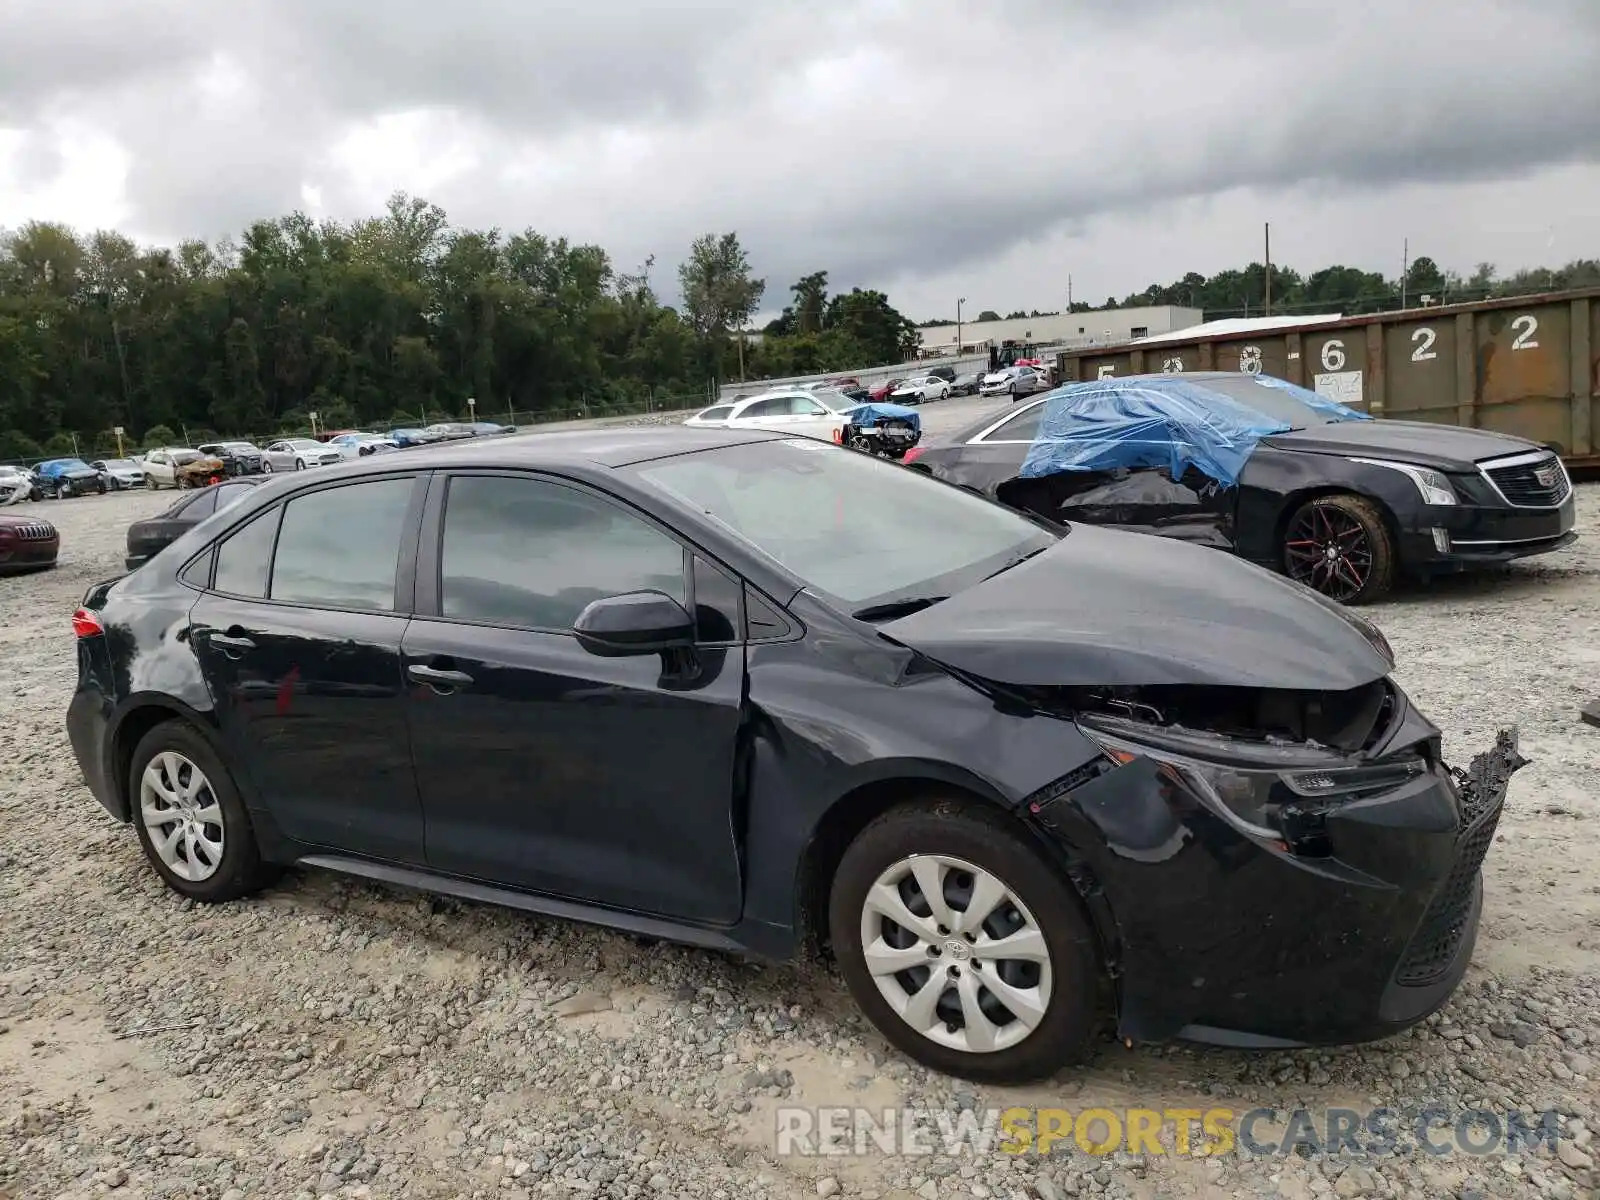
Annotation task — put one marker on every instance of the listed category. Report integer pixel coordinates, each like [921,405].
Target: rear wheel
[967,949]
[1339,545]
[190,820]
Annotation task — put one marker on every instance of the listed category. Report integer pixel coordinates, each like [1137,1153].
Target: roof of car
[603,447]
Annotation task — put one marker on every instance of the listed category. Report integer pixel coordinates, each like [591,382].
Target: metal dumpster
[1525,366]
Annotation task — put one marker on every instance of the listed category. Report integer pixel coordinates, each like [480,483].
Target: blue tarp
[868,415]
[1171,422]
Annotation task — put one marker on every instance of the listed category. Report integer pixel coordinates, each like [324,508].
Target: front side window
[717,414]
[339,547]
[532,553]
[852,526]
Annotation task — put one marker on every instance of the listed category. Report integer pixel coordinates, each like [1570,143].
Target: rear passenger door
[545,767]
[298,635]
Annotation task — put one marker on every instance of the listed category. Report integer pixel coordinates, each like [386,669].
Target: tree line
[1347,290]
[399,319]
[393,320]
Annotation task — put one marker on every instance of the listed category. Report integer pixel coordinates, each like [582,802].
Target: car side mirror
[634,623]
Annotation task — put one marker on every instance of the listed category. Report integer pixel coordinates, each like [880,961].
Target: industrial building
[1062,330]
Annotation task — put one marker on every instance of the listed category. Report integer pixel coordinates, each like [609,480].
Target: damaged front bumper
[1237,906]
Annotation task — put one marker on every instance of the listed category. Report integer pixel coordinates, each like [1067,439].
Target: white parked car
[797,411]
[349,444]
[920,390]
[16,485]
[1014,382]
[121,473]
[296,454]
[161,466]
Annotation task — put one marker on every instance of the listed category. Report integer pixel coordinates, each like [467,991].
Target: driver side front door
[545,767]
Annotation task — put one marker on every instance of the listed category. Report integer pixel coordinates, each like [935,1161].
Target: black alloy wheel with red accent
[1339,545]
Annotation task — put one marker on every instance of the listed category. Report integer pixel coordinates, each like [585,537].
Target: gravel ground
[335,1037]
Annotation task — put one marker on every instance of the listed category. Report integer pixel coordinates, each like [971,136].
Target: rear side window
[717,414]
[339,547]
[767,408]
[202,506]
[244,560]
[528,552]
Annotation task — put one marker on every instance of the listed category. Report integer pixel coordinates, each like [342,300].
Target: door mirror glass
[634,623]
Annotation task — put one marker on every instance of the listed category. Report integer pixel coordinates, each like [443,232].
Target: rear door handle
[436,677]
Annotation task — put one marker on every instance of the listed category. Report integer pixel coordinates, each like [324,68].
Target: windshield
[1280,400]
[849,525]
[303,444]
[185,456]
[119,464]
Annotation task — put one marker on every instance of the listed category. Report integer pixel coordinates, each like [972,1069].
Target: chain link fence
[653,408]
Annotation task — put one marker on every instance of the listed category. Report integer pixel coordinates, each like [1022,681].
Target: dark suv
[1011,774]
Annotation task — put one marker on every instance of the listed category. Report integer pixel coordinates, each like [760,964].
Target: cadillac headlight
[1433,486]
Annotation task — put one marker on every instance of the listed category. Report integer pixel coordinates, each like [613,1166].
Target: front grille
[1520,484]
[1481,792]
[1446,921]
[34,531]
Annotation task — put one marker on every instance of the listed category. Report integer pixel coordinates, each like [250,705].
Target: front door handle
[436,677]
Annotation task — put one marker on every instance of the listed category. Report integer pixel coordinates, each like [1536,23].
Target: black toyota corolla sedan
[1336,500]
[760,693]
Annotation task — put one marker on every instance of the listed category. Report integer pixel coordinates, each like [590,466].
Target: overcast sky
[934,149]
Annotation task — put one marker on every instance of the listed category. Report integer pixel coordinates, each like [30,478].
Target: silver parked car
[120,473]
[296,454]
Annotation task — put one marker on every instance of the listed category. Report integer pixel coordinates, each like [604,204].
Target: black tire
[1365,568]
[989,841]
[100,485]
[266,467]
[299,464]
[241,870]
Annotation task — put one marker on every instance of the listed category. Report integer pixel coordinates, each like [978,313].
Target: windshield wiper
[902,607]
[1021,558]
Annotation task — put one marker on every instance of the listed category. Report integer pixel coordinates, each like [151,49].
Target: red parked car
[26,544]
[881,392]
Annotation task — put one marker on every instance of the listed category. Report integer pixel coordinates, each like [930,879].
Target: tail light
[912,455]
[86,625]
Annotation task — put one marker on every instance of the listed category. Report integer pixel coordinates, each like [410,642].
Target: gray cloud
[880,139]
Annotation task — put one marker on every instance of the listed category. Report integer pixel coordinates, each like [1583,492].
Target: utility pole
[1268,307]
[1405,269]
[1069,293]
[959,303]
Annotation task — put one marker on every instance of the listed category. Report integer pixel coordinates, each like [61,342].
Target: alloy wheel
[956,954]
[181,813]
[1330,551]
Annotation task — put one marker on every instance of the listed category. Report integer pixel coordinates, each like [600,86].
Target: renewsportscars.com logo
[1184,1132]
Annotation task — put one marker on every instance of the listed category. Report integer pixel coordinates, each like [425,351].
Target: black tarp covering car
[1013,776]
[1344,505]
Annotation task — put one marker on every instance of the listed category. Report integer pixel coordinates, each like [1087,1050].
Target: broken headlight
[1271,790]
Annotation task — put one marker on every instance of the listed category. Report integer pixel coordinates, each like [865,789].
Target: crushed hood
[1103,608]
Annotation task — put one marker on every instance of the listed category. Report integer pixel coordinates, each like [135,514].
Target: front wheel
[299,464]
[969,950]
[266,467]
[1339,545]
[190,820]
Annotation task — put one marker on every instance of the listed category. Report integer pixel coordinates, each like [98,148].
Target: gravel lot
[338,1037]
